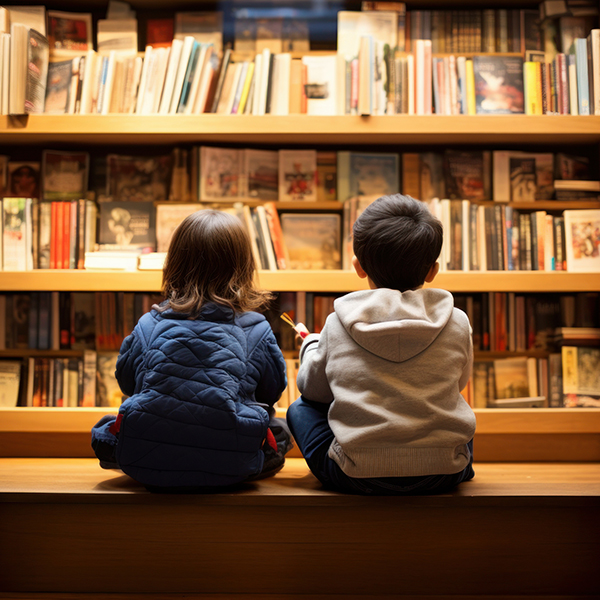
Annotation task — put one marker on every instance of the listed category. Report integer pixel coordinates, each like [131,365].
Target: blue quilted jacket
[201,393]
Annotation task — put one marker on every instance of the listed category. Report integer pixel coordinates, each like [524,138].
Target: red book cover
[304,101]
[159,33]
[66,234]
[53,234]
[59,234]
[276,235]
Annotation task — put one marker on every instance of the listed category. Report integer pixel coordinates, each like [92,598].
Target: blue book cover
[583,88]
[189,76]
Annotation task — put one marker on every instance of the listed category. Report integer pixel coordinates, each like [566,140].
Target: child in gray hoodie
[381,410]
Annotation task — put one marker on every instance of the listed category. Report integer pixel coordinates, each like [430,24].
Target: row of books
[369,74]
[70,320]
[501,321]
[567,379]
[215,174]
[85,381]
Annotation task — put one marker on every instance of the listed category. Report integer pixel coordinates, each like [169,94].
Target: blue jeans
[309,426]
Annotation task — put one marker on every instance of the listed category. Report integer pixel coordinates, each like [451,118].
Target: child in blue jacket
[202,371]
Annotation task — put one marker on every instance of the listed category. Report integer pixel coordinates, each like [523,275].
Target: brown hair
[210,260]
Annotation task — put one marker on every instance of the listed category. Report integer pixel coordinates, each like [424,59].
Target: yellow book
[532,80]
[470,88]
[246,89]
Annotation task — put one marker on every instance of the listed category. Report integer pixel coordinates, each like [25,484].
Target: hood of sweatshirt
[395,325]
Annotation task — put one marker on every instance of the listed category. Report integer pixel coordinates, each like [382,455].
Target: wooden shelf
[489,420]
[289,281]
[300,129]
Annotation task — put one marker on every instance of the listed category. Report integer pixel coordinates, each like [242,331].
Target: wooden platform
[70,530]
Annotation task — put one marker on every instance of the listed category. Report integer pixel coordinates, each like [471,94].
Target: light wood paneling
[288,281]
[300,129]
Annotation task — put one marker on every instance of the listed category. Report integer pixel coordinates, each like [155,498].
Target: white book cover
[109,83]
[297,175]
[18,68]
[220,173]
[263,82]
[33,17]
[5,40]
[410,61]
[573,99]
[595,38]
[186,51]
[321,76]
[15,234]
[257,78]
[143,79]
[157,79]
[582,238]
[280,103]
[174,56]
[10,378]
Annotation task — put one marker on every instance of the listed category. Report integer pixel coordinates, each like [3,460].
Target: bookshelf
[502,434]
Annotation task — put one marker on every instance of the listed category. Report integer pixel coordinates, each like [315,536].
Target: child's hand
[301,333]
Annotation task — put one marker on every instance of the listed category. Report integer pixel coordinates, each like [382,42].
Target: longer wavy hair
[210,260]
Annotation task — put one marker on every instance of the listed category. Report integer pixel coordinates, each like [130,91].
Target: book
[10,380]
[326,176]
[69,32]
[261,174]
[498,85]
[127,225]
[159,32]
[297,175]
[58,87]
[38,57]
[581,376]
[320,86]
[23,179]
[313,241]
[117,35]
[582,240]
[467,174]
[352,26]
[138,178]
[168,217]
[220,174]
[511,378]
[367,174]
[108,392]
[204,27]
[64,175]
[522,179]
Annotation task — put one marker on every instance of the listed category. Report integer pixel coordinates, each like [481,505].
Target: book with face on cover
[127,225]
[297,175]
[23,180]
[313,241]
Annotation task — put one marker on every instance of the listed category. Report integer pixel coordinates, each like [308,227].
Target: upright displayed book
[297,175]
[498,85]
[581,376]
[143,178]
[313,240]
[367,174]
[220,174]
[582,238]
[127,225]
[64,175]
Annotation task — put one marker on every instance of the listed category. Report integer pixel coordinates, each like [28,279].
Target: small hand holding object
[299,328]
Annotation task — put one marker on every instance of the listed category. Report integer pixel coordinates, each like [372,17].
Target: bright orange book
[281,253]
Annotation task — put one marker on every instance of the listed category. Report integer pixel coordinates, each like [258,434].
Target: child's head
[397,242]
[210,260]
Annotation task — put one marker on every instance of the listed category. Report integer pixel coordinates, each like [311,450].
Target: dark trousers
[309,426]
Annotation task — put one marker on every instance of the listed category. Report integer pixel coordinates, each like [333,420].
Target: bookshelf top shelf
[300,129]
[290,281]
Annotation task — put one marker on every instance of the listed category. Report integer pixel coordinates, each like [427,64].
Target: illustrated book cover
[498,85]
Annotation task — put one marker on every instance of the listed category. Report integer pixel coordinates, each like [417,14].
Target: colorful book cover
[467,174]
[581,376]
[313,240]
[498,85]
[582,240]
[368,174]
[138,178]
[125,225]
[38,57]
[64,175]
[69,31]
[297,175]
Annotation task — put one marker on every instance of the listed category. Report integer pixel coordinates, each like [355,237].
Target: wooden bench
[69,529]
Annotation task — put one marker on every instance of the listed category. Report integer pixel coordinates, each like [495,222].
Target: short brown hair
[210,260]
[396,241]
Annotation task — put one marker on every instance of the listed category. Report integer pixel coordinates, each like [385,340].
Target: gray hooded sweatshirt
[392,365]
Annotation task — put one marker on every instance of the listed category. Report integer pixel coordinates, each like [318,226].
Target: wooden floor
[71,530]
